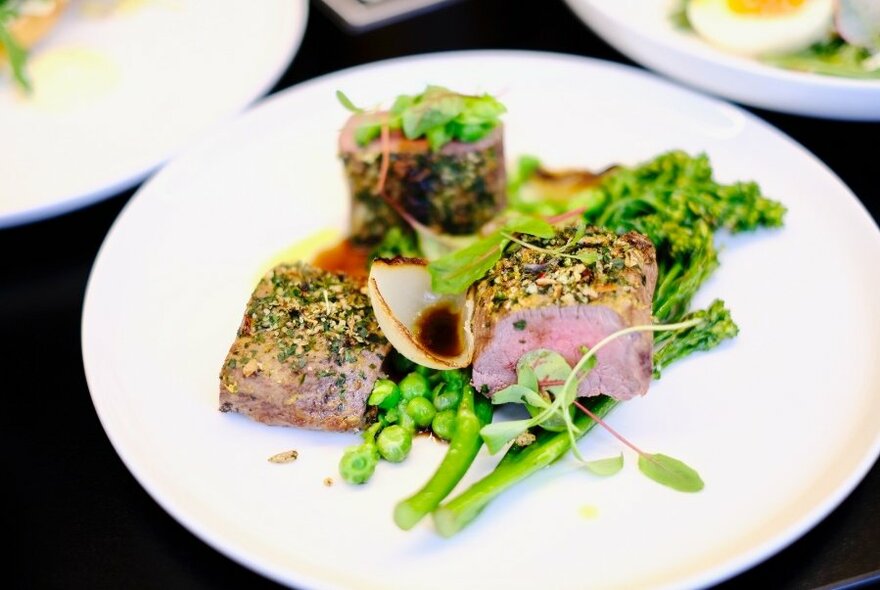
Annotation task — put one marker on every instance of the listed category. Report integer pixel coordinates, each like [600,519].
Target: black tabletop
[78,518]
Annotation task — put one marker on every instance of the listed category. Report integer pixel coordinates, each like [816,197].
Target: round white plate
[781,423]
[642,30]
[122,85]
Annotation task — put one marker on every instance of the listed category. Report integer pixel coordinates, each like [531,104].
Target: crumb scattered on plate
[284,457]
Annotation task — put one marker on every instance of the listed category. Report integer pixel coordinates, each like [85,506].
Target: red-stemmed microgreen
[661,468]
[544,370]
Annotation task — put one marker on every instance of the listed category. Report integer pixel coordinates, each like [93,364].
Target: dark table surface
[77,518]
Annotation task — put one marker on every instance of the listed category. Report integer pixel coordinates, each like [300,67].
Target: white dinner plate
[781,423]
[642,30]
[122,85]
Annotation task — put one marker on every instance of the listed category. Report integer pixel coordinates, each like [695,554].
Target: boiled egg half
[761,27]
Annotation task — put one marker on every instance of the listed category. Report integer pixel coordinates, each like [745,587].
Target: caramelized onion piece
[427,328]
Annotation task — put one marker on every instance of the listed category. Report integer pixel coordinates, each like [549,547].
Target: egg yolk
[764,7]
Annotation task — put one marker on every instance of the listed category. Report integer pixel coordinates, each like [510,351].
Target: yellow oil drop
[304,249]
[106,8]
[588,512]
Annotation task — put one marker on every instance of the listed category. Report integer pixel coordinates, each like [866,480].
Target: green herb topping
[300,311]
[437,114]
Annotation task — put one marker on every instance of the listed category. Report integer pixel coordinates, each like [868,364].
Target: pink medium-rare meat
[533,299]
[307,352]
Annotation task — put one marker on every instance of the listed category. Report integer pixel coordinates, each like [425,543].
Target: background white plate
[642,30]
[119,92]
[782,423]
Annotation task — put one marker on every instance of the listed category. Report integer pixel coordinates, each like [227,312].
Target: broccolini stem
[474,412]
[518,464]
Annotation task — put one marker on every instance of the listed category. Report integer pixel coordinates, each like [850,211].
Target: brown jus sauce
[344,257]
[438,329]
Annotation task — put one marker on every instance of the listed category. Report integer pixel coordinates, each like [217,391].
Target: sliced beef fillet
[307,352]
[532,300]
[454,190]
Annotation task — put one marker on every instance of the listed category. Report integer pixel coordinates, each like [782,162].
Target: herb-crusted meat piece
[533,299]
[454,190]
[307,353]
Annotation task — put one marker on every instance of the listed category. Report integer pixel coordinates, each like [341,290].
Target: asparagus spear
[474,412]
[518,464]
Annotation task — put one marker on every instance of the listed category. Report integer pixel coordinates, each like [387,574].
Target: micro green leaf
[545,364]
[549,415]
[346,102]
[534,399]
[454,273]
[512,394]
[605,467]
[533,226]
[438,137]
[436,109]
[526,376]
[401,103]
[498,434]
[670,472]
[588,257]
[367,133]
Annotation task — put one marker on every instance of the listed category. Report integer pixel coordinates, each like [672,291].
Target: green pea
[403,417]
[421,411]
[394,443]
[385,394]
[443,424]
[414,385]
[358,463]
[448,400]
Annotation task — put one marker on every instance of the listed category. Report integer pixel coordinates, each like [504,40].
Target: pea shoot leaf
[498,434]
[438,114]
[549,369]
[605,467]
[437,108]
[346,102]
[526,377]
[670,472]
[547,366]
[512,394]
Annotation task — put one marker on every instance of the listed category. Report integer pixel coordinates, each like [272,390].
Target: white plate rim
[717,574]
[707,54]
[73,201]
